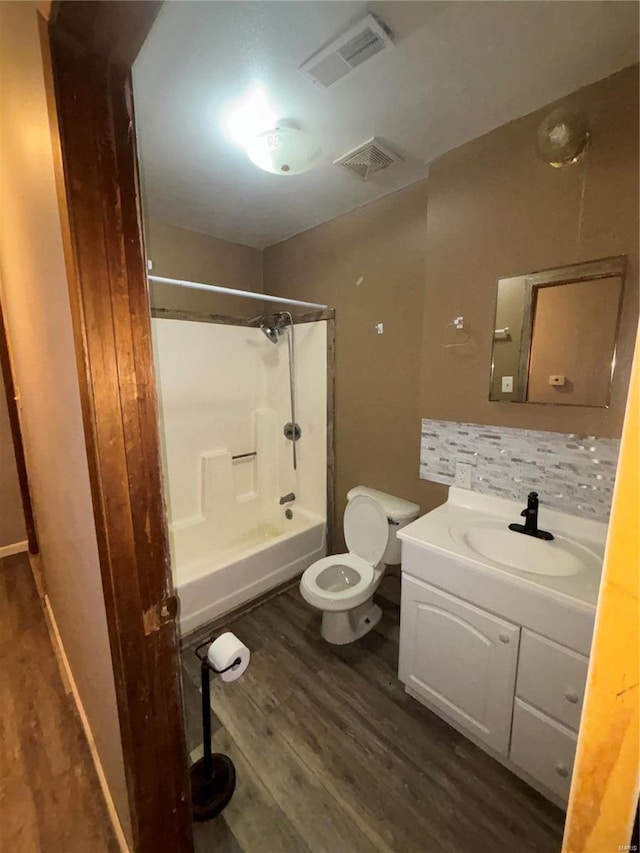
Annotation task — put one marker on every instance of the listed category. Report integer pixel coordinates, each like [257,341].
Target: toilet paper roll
[224,651]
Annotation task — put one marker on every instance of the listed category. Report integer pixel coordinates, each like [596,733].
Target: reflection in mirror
[555,335]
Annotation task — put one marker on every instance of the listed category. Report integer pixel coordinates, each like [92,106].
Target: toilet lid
[366,529]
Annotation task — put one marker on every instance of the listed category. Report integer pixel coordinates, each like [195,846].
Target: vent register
[367,159]
[348,51]
[354,47]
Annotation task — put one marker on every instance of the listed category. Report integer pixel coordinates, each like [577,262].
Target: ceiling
[457,70]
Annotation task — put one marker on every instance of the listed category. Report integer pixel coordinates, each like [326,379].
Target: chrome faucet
[285,499]
[530,514]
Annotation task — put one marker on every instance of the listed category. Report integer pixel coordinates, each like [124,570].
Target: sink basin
[494,541]
[473,530]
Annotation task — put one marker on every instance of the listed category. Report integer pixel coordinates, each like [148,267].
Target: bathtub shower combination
[247,504]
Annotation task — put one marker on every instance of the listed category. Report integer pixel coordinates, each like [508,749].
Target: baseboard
[16,548]
[67,676]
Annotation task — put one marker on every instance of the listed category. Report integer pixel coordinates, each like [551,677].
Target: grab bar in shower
[244,455]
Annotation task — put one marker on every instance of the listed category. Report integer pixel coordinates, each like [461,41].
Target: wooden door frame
[16,437]
[89,50]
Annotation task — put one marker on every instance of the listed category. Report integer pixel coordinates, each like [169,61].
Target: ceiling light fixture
[249,116]
[283,150]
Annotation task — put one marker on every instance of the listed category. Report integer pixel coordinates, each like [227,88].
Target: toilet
[342,586]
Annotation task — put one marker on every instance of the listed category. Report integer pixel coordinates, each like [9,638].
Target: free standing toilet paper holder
[213,777]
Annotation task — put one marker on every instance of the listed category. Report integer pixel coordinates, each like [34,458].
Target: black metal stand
[213,777]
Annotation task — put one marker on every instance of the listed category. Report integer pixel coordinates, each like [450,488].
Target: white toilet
[342,586]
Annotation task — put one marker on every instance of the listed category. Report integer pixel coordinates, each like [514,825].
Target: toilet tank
[398,511]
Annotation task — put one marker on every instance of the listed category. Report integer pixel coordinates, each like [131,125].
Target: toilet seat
[344,581]
[366,529]
[351,582]
[343,586]
[350,595]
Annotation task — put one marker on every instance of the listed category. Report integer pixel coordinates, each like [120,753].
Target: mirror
[555,334]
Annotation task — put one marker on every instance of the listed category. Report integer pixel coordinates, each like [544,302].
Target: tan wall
[179,253]
[36,304]
[497,211]
[369,266]
[494,211]
[12,528]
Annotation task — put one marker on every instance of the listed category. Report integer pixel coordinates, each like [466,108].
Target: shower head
[270,330]
[274,325]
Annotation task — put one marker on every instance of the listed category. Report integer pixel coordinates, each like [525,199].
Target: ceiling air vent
[352,48]
[367,159]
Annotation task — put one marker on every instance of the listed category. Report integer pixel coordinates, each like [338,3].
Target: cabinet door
[461,659]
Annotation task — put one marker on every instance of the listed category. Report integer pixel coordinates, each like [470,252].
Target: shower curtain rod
[248,294]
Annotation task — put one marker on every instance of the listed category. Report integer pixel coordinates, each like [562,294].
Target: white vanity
[496,629]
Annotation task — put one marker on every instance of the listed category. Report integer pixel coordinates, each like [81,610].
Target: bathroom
[351,363]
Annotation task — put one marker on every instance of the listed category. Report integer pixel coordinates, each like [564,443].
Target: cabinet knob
[562,770]
[504,638]
[572,696]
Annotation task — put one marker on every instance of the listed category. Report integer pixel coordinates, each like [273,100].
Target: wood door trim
[92,46]
[16,437]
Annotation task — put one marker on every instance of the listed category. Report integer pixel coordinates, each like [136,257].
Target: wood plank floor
[332,755]
[50,799]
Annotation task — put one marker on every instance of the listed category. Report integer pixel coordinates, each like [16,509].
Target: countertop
[439,529]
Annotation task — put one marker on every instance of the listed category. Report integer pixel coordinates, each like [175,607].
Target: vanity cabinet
[461,659]
[492,673]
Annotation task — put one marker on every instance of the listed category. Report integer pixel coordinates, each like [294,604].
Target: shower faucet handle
[285,499]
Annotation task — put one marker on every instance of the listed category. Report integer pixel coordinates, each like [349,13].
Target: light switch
[380,328]
[507,384]
[557,379]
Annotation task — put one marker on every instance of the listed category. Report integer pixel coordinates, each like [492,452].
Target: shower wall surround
[224,400]
[224,393]
[571,472]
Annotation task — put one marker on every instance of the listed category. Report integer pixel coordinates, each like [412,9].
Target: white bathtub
[224,394]
[258,561]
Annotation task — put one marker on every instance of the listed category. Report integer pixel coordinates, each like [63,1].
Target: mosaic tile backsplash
[570,472]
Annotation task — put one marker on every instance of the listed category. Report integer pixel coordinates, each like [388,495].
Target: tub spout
[285,499]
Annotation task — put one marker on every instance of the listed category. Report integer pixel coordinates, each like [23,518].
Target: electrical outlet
[463,475]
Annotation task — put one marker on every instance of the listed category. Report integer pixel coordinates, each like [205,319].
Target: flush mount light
[248,116]
[283,150]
